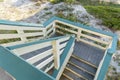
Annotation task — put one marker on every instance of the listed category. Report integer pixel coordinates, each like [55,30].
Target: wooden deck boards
[83,51]
[88,52]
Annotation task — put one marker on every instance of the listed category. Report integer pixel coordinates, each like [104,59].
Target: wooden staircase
[83,63]
[89,49]
[79,69]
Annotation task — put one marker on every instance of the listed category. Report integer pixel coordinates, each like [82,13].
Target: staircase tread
[82,60]
[81,68]
[83,73]
[83,65]
[63,78]
[68,77]
[73,75]
[89,53]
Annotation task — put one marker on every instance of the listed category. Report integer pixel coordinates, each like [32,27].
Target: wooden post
[44,32]
[78,34]
[110,44]
[54,27]
[56,53]
[22,38]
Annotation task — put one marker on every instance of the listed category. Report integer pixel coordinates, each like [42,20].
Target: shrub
[109,15]
[118,45]
[70,17]
[48,13]
[37,4]
[67,1]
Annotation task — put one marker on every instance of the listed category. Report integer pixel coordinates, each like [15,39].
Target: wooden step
[81,68]
[80,72]
[74,73]
[78,58]
[83,65]
[68,77]
[63,78]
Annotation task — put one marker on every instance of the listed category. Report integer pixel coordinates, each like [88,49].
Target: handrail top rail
[54,18]
[77,24]
[114,45]
[15,23]
[64,56]
[34,42]
[113,35]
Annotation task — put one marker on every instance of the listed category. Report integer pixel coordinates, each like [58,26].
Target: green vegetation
[112,74]
[48,13]
[118,45]
[37,4]
[9,40]
[46,8]
[65,29]
[117,77]
[8,32]
[70,17]
[67,1]
[110,15]
[95,3]
[117,59]
[1,0]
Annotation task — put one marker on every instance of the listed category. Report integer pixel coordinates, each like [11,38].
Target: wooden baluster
[56,53]
[44,31]
[24,39]
[78,34]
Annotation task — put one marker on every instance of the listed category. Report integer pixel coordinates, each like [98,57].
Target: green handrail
[20,69]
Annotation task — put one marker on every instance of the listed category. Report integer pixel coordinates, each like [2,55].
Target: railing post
[54,27]
[44,32]
[56,53]
[78,34]
[100,65]
[110,45]
[22,38]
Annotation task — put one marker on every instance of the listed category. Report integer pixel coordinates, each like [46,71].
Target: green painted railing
[64,58]
[110,51]
[107,58]
[15,23]
[20,69]
[103,68]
